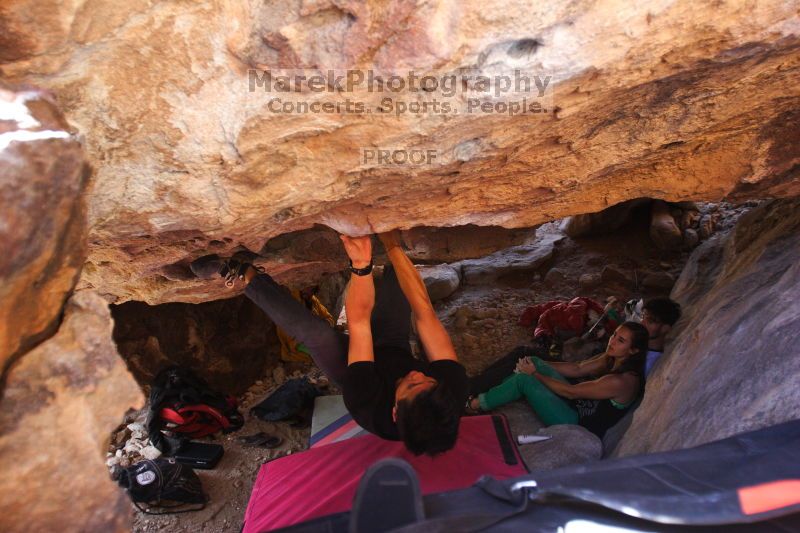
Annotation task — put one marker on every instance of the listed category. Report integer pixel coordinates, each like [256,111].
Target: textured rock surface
[659,281]
[229,342]
[524,259]
[60,402]
[569,445]
[43,177]
[440,280]
[461,242]
[734,363]
[664,230]
[676,100]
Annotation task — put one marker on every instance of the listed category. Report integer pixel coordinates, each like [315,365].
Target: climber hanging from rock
[387,391]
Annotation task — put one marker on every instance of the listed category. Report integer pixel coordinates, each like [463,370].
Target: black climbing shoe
[388,497]
[210,266]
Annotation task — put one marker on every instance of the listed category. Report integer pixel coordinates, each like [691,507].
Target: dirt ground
[482,321]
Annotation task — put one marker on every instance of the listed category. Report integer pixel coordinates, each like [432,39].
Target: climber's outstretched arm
[359,301]
[435,338]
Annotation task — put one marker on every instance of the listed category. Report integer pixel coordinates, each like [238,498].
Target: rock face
[462,242]
[523,259]
[64,384]
[733,364]
[43,177]
[59,404]
[568,445]
[440,280]
[664,231]
[668,100]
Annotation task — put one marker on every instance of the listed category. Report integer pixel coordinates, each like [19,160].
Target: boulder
[569,444]
[64,385]
[731,364]
[658,281]
[515,260]
[429,244]
[521,418]
[554,277]
[689,219]
[440,280]
[705,227]
[615,275]
[191,156]
[590,280]
[60,403]
[664,232]
[43,181]
[690,238]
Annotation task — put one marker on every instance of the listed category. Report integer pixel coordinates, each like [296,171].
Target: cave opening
[626,251]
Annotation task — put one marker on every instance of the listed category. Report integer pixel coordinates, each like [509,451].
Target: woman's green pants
[549,406]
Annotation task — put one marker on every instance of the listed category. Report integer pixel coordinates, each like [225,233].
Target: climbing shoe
[210,266]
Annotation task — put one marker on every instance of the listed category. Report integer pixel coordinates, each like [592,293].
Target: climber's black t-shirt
[369,387]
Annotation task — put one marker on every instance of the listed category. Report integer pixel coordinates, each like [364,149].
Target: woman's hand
[526,366]
[359,249]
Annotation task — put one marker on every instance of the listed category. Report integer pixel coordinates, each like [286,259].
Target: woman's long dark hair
[639,340]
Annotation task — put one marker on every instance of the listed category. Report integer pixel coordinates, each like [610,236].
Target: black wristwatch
[361,271]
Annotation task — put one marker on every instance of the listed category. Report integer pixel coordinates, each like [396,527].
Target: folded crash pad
[331,422]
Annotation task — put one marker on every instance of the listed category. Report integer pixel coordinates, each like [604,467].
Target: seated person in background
[594,324]
[658,316]
[618,381]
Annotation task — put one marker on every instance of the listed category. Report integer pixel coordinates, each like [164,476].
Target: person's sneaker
[469,410]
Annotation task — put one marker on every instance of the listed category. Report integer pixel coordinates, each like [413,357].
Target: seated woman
[504,367]
[596,404]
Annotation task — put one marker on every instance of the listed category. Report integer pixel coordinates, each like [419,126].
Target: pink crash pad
[323,481]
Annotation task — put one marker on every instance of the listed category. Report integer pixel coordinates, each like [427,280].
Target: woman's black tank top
[598,416]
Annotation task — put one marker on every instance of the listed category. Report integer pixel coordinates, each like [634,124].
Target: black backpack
[163,483]
[288,402]
[184,405]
